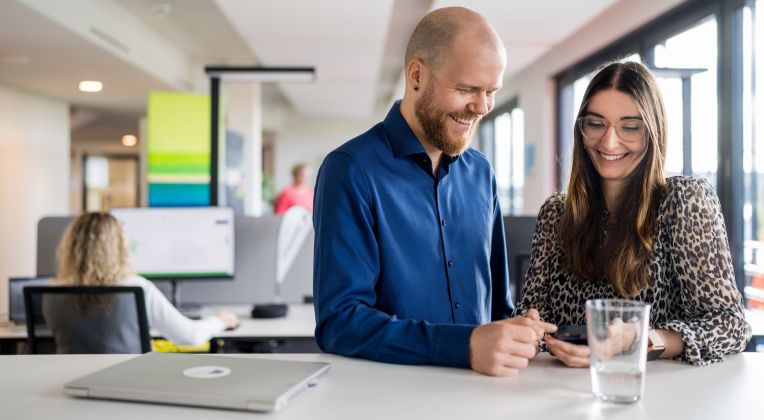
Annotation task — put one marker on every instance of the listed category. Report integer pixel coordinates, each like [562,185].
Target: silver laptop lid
[232,382]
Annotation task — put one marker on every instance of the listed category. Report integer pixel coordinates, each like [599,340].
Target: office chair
[88,320]
[518,231]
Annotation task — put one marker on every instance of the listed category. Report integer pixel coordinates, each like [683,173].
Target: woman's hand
[573,355]
[229,319]
[621,336]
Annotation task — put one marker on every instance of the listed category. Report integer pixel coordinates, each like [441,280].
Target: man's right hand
[503,347]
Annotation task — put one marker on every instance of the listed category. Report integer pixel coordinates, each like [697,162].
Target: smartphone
[575,334]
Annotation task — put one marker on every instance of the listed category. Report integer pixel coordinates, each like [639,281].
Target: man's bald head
[434,35]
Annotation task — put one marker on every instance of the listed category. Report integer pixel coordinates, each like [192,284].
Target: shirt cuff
[451,345]
[214,324]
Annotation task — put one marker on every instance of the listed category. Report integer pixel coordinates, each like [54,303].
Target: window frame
[488,146]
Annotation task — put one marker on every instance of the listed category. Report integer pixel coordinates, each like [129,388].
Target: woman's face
[614,135]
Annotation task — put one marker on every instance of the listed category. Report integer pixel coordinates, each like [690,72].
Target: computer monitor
[16,285]
[180,243]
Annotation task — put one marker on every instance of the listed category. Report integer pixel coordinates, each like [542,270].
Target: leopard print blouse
[692,285]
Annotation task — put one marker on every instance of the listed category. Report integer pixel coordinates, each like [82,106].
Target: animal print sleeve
[535,290]
[700,254]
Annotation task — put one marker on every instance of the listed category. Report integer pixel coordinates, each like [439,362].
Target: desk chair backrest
[88,320]
[518,231]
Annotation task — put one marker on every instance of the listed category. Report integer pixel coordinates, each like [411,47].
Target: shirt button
[457,305]
[450,263]
[443,222]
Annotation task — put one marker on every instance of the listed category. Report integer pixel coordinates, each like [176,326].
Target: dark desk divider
[518,231]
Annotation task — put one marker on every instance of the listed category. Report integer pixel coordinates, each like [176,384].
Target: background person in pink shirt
[297,194]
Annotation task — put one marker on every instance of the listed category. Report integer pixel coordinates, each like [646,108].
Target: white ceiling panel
[343,39]
[43,57]
[531,28]
[357,47]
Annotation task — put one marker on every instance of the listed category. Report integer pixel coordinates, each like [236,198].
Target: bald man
[410,261]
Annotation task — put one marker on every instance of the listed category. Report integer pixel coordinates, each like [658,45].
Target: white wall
[535,88]
[34,176]
[310,139]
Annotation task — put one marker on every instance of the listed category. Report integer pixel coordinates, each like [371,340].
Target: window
[502,139]
[110,182]
[753,152]
[687,80]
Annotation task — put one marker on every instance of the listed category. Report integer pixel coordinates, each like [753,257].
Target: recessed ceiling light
[91,86]
[129,140]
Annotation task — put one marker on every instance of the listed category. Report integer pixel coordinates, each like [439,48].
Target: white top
[32,387]
[166,319]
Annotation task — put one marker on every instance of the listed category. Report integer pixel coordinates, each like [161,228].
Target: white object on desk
[31,387]
[294,228]
[300,322]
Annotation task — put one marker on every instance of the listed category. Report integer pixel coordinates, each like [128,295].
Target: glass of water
[617,337]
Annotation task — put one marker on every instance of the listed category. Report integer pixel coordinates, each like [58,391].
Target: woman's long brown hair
[622,258]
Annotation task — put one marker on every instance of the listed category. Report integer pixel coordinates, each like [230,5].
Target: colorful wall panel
[178,149]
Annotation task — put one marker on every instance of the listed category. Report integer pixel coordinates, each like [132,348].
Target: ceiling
[357,47]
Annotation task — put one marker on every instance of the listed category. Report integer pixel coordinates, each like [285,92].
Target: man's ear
[415,73]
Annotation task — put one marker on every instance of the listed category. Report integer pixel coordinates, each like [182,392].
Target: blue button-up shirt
[407,263]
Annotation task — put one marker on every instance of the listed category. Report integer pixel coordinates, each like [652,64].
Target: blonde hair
[93,252]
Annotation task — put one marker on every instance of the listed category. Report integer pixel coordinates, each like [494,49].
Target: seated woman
[624,231]
[93,252]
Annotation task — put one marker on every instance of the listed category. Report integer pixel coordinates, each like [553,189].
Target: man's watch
[655,345]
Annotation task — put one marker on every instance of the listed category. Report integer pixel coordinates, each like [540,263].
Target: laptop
[231,382]
[16,308]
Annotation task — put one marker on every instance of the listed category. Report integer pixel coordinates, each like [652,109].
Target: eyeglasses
[628,130]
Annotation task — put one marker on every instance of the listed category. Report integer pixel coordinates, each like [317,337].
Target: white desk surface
[31,387]
[300,322]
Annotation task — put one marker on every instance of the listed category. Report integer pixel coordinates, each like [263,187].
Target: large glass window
[753,152]
[502,139]
[687,77]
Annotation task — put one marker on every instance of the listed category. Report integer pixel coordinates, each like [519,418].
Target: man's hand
[503,347]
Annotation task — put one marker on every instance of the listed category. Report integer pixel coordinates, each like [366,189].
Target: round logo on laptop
[206,372]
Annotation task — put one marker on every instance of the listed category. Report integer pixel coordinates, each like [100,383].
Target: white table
[300,322]
[31,387]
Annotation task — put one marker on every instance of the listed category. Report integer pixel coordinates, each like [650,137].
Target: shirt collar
[402,138]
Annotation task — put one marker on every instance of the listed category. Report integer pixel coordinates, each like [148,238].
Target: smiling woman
[624,231]
[615,153]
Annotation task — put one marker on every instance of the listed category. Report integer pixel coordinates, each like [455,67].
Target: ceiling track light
[262,74]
